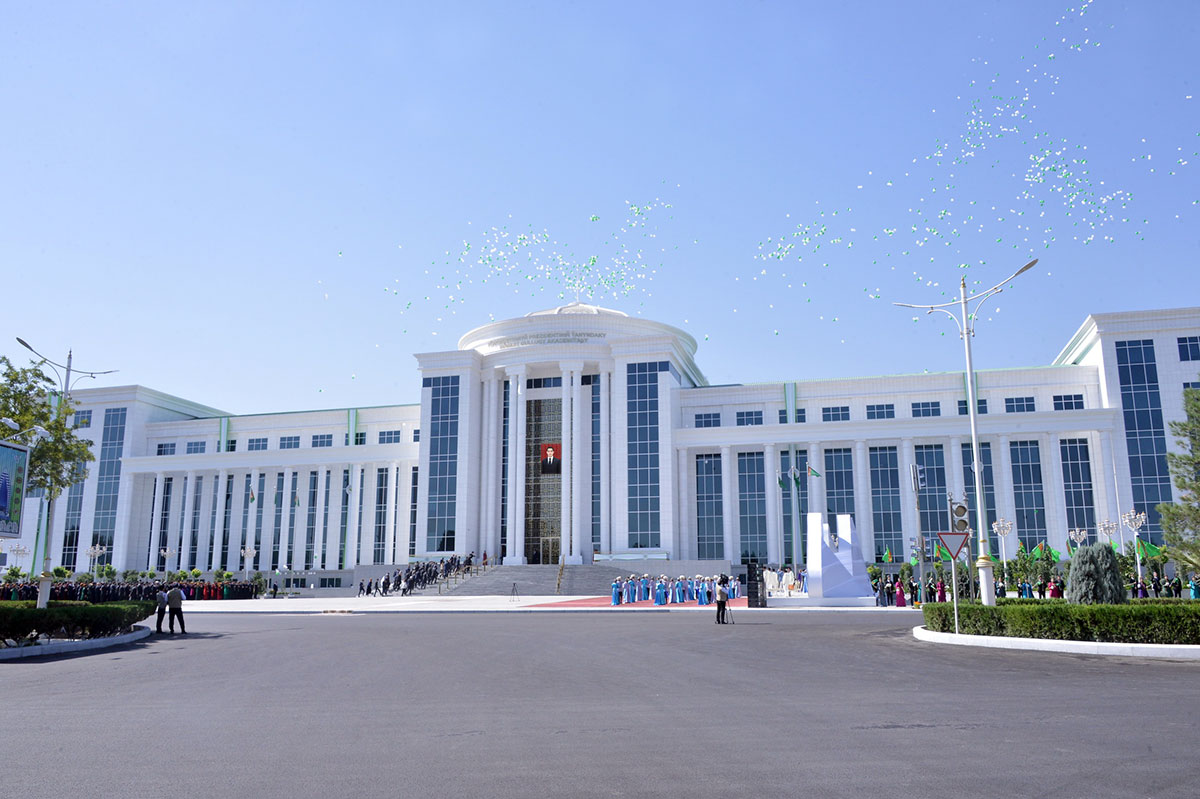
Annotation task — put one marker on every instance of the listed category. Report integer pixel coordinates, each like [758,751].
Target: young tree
[28,397]
[1095,577]
[1181,520]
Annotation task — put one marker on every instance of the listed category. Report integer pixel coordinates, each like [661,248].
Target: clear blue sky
[264,206]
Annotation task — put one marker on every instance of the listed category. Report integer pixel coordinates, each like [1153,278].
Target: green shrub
[23,621]
[1145,622]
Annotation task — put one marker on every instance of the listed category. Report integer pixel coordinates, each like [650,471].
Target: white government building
[649,459]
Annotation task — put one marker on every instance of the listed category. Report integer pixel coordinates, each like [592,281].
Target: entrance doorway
[543,550]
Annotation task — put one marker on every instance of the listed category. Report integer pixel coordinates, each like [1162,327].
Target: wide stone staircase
[537,581]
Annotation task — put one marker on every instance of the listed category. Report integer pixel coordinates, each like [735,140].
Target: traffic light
[918,477]
[959,521]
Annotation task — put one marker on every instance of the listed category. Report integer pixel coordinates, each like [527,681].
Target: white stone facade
[655,462]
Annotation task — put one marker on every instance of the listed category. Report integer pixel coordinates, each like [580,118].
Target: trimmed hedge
[1136,623]
[23,621]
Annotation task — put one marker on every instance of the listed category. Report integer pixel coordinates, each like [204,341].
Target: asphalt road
[591,705]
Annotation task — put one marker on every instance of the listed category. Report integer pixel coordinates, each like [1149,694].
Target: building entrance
[543,486]
[543,551]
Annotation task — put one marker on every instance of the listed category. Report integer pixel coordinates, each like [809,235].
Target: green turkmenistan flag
[783,483]
[1148,550]
[913,560]
[943,553]
[1116,548]
[887,555]
[1054,553]
[813,472]
[252,495]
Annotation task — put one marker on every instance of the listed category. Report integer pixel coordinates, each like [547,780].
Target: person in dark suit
[550,463]
[722,598]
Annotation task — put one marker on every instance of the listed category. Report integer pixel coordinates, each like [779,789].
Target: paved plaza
[820,704]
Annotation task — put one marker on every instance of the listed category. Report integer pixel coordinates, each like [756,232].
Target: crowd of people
[416,576]
[97,593]
[892,590]
[662,590]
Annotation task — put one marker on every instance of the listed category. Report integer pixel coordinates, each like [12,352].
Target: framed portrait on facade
[551,459]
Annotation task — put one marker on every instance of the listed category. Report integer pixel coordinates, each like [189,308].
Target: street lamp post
[95,552]
[966,328]
[166,553]
[1107,528]
[1134,520]
[18,551]
[1001,528]
[65,379]
[248,554]
[1079,537]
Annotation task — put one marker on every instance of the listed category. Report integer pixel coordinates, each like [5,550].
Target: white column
[277,504]
[606,377]
[160,486]
[1103,466]
[287,559]
[204,522]
[864,520]
[232,559]
[1053,492]
[352,519]
[516,467]
[490,468]
[366,541]
[682,549]
[253,534]
[580,460]
[185,532]
[1004,491]
[213,553]
[774,528]
[121,556]
[300,560]
[908,498]
[816,485]
[319,529]
[566,534]
[392,497]
[333,535]
[171,533]
[728,500]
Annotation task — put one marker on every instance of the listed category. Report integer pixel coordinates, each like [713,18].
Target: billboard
[14,466]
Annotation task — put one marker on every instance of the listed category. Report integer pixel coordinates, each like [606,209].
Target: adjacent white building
[648,460]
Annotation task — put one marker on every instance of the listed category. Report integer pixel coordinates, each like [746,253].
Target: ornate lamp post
[18,551]
[166,553]
[248,554]
[1002,527]
[1078,536]
[1107,528]
[1134,520]
[966,329]
[95,552]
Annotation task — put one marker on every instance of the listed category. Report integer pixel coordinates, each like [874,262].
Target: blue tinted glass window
[925,409]
[710,541]
[883,411]
[885,503]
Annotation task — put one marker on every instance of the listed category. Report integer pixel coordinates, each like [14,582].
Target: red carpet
[606,602]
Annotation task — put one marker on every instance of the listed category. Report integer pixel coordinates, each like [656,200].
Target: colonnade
[503,496]
[249,517]
[1104,495]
